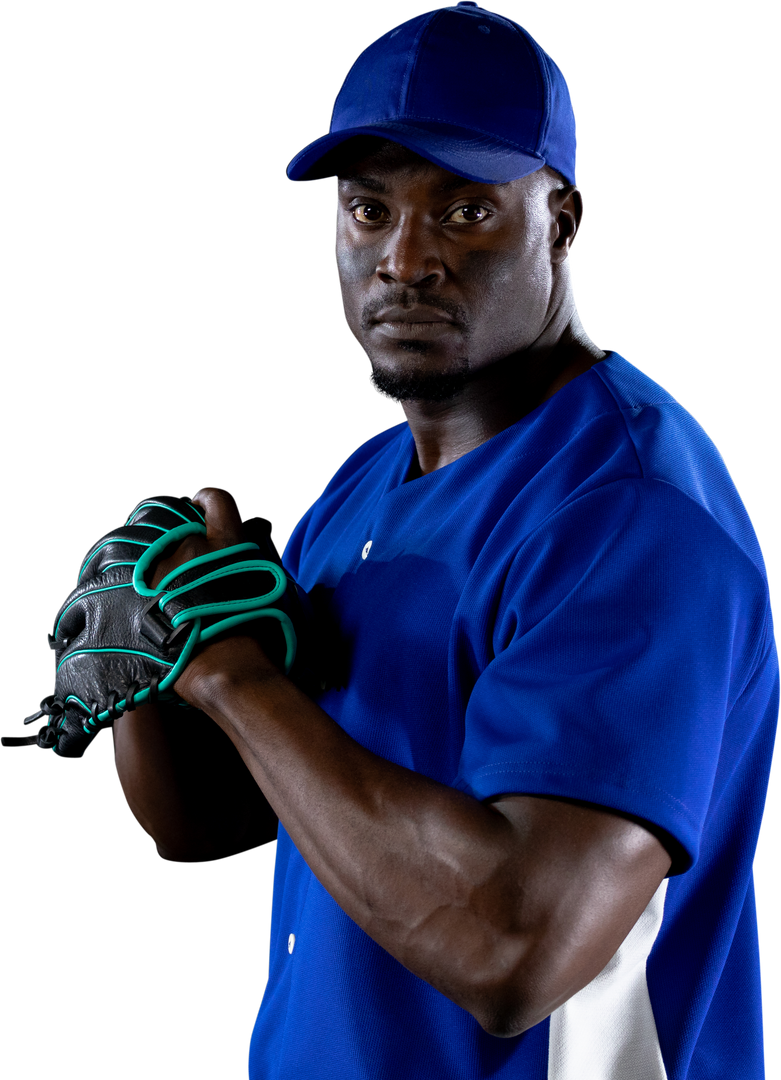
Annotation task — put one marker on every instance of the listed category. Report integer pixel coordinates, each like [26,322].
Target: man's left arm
[507,907]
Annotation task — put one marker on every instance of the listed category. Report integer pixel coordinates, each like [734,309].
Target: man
[516,832]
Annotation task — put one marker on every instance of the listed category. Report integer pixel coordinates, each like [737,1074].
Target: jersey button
[366,549]
[291,943]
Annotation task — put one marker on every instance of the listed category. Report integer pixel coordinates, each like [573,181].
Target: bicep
[584,876]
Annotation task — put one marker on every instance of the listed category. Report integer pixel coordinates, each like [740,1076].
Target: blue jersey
[578,608]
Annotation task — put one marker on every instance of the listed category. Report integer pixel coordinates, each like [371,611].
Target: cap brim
[467,153]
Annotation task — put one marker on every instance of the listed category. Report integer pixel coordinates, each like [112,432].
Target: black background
[174,321]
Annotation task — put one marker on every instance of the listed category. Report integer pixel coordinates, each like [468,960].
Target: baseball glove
[119,643]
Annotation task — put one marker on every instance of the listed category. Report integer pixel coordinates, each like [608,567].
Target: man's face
[441,276]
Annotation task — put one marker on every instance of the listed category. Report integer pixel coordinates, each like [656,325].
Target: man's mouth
[417,322]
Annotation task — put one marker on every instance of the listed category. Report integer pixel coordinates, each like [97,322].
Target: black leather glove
[119,643]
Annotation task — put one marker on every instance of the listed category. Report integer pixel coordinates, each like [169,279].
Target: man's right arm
[182,776]
[187,785]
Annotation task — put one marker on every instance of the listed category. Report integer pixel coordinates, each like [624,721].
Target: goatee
[422,385]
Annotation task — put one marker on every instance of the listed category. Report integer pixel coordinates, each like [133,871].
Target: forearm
[388,844]
[187,786]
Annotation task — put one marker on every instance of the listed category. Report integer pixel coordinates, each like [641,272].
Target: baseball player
[516,817]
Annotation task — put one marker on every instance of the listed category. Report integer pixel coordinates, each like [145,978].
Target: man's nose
[410,257]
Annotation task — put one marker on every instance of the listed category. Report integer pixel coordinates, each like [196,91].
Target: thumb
[223,521]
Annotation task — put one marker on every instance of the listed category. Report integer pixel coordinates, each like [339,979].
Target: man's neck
[445,431]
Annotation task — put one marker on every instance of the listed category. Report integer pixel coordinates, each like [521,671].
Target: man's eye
[366,210]
[471,208]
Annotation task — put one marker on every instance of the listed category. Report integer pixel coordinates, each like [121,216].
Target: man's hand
[223,529]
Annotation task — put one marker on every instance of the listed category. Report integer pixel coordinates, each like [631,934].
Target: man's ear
[566,210]
[579,197]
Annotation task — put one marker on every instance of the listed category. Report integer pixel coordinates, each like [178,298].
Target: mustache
[407,298]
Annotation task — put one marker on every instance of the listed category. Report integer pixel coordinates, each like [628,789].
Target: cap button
[467,3]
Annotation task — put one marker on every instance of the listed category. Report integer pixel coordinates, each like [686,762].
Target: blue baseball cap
[464,88]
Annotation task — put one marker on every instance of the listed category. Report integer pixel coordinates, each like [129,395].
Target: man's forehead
[379,183]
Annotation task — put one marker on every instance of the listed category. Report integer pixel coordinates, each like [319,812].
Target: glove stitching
[96,702]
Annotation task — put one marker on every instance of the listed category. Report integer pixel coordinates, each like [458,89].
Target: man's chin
[422,385]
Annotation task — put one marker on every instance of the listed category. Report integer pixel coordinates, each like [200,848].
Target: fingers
[223,521]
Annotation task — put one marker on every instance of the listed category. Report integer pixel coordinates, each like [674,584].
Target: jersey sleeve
[627,627]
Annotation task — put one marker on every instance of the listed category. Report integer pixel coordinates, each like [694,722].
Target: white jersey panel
[607,1031]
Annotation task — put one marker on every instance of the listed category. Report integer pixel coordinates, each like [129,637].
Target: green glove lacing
[234,612]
